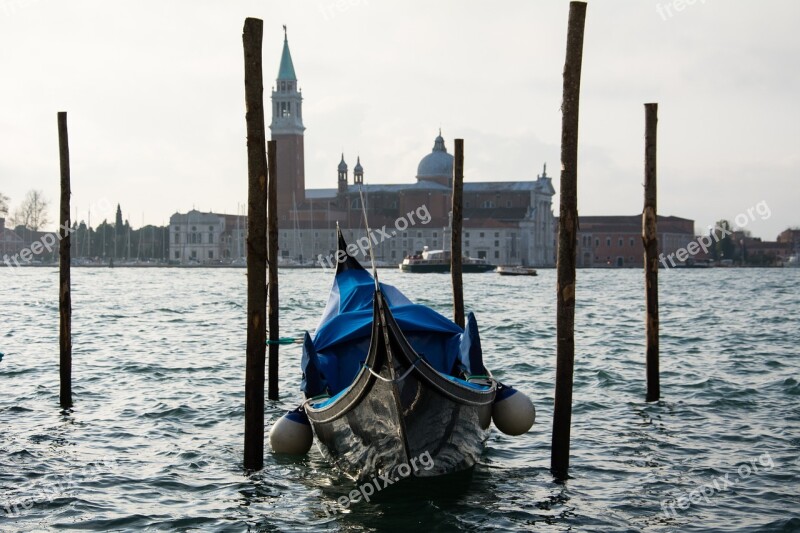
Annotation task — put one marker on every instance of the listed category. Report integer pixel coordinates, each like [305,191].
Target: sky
[154,93]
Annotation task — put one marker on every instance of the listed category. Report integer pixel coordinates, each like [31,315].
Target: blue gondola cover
[339,348]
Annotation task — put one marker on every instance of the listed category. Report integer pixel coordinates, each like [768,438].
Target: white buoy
[513,412]
[291,434]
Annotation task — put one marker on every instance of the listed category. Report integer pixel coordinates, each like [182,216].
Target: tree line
[107,240]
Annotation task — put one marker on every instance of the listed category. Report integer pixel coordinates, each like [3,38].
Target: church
[505,222]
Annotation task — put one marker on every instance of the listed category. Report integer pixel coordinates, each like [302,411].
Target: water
[154,442]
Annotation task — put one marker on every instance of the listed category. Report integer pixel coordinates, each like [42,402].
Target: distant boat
[516,271]
[696,263]
[439,261]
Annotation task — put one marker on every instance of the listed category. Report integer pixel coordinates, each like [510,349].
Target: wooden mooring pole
[455,234]
[567,239]
[272,257]
[650,241]
[64,295]
[256,247]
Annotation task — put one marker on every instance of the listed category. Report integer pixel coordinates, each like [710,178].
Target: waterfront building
[506,222]
[616,241]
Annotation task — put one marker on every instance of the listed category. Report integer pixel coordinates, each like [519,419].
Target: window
[496,244]
[194,254]
[419,234]
[211,254]
[394,254]
[211,238]
[508,203]
[481,235]
[211,229]
[466,234]
[496,234]
[631,242]
[435,234]
[177,254]
[497,254]
[597,242]
[466,244]
[608,241]
[467,204]
[620,241]
[177,238]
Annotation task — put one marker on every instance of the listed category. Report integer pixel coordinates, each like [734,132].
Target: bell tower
[358,173]
[287,129]
[341,191]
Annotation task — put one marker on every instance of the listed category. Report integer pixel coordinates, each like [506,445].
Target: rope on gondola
[286,340]
[388,380]
[369,233]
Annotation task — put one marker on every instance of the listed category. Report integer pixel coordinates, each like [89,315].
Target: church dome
[438,163]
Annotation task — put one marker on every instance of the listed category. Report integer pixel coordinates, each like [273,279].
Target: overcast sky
[155,96]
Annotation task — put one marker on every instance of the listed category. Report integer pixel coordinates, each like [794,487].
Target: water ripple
[154,439]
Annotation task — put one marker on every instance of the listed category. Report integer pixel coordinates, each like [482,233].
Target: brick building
[616,241]
[10,242]
[791,236]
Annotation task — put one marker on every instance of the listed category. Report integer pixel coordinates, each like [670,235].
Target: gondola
[390,385]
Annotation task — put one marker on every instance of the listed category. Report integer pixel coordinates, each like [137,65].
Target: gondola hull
[375,438]
[400,410]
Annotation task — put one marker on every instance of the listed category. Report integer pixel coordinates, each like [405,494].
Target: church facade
[506,222]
